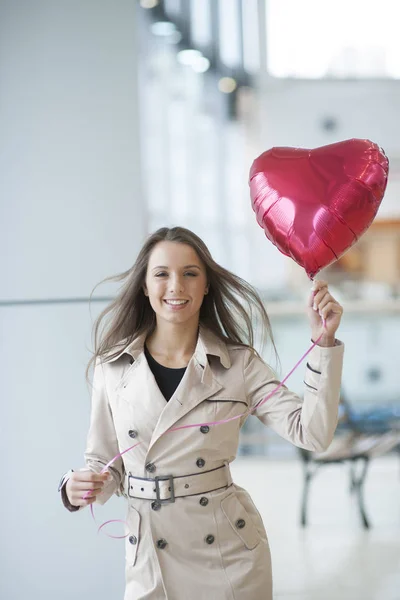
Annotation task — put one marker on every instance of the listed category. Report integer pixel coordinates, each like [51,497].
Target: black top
[167,379]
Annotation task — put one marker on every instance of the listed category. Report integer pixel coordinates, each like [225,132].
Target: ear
[145,292]
[206,290]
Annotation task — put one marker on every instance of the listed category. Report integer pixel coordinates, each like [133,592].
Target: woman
[178,351]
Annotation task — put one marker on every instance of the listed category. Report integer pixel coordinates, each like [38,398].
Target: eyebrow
[185,267]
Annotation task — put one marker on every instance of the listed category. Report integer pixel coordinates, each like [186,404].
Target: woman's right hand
[83,487]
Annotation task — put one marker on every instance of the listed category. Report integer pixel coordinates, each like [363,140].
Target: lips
[173,302]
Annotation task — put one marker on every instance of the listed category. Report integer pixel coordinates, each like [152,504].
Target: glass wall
[199,119]
[202,124]
[344,39]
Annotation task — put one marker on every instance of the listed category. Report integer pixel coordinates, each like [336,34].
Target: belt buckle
[169,478]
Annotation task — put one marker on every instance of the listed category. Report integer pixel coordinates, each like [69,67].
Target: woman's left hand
[323,306]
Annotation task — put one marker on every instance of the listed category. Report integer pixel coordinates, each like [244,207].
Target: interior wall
[72,213]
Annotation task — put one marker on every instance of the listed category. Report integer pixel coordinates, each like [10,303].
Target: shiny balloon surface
[315,204]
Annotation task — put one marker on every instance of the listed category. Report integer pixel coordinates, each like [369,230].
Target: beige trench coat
[203,553]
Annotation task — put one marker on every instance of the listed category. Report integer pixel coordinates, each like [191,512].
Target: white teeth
[177,302]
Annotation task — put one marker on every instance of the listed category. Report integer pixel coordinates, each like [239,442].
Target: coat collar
[208,344]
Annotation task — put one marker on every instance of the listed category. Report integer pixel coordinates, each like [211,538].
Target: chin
[178,318]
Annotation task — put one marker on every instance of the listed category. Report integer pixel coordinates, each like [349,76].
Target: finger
[331,307]
[89,501]
[314,296]
[325,300]
[310,302]
[319,297]
[318,284]
[81,487]
[81,502]
[318,287]
[88,494]
[90,476]
[79,484]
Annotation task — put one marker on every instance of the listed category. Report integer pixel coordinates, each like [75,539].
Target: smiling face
[176,282]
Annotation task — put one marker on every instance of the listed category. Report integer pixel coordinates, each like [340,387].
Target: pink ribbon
[247,412]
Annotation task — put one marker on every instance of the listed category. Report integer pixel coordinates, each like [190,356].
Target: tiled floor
[334,558]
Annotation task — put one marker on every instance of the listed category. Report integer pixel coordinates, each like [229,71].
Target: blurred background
[119,117]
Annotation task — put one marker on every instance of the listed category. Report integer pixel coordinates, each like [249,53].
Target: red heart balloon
[315,204]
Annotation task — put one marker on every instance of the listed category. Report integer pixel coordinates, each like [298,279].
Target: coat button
[200,462]
[209,539]
[203,501]
[204,429]
[240,523]
[162,544]
[155,505]
[150,467]
[132,539]
[133,433]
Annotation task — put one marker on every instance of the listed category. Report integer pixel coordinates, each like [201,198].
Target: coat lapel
[152,399]
[198,383]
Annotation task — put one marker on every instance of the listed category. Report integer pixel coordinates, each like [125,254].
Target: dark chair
[359,439]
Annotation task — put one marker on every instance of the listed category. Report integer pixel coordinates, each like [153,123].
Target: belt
[166,488]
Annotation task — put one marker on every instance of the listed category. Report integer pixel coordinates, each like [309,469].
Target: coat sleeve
[310,422]
[102,444]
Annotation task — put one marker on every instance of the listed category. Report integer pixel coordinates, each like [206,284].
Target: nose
[176,284]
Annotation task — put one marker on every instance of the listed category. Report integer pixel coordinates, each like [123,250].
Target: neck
[173,343]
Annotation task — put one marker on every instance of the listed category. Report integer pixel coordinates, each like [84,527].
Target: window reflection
[172,7]
[200,22]
[229,32]
[250,24]
[198,142]
[354,38]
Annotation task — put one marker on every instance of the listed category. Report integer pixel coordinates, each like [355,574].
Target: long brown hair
[230,308]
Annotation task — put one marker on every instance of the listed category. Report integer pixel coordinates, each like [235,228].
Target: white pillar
[72,213]
[72,208]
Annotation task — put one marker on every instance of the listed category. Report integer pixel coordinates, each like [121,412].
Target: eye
[191,274]
[161,274]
